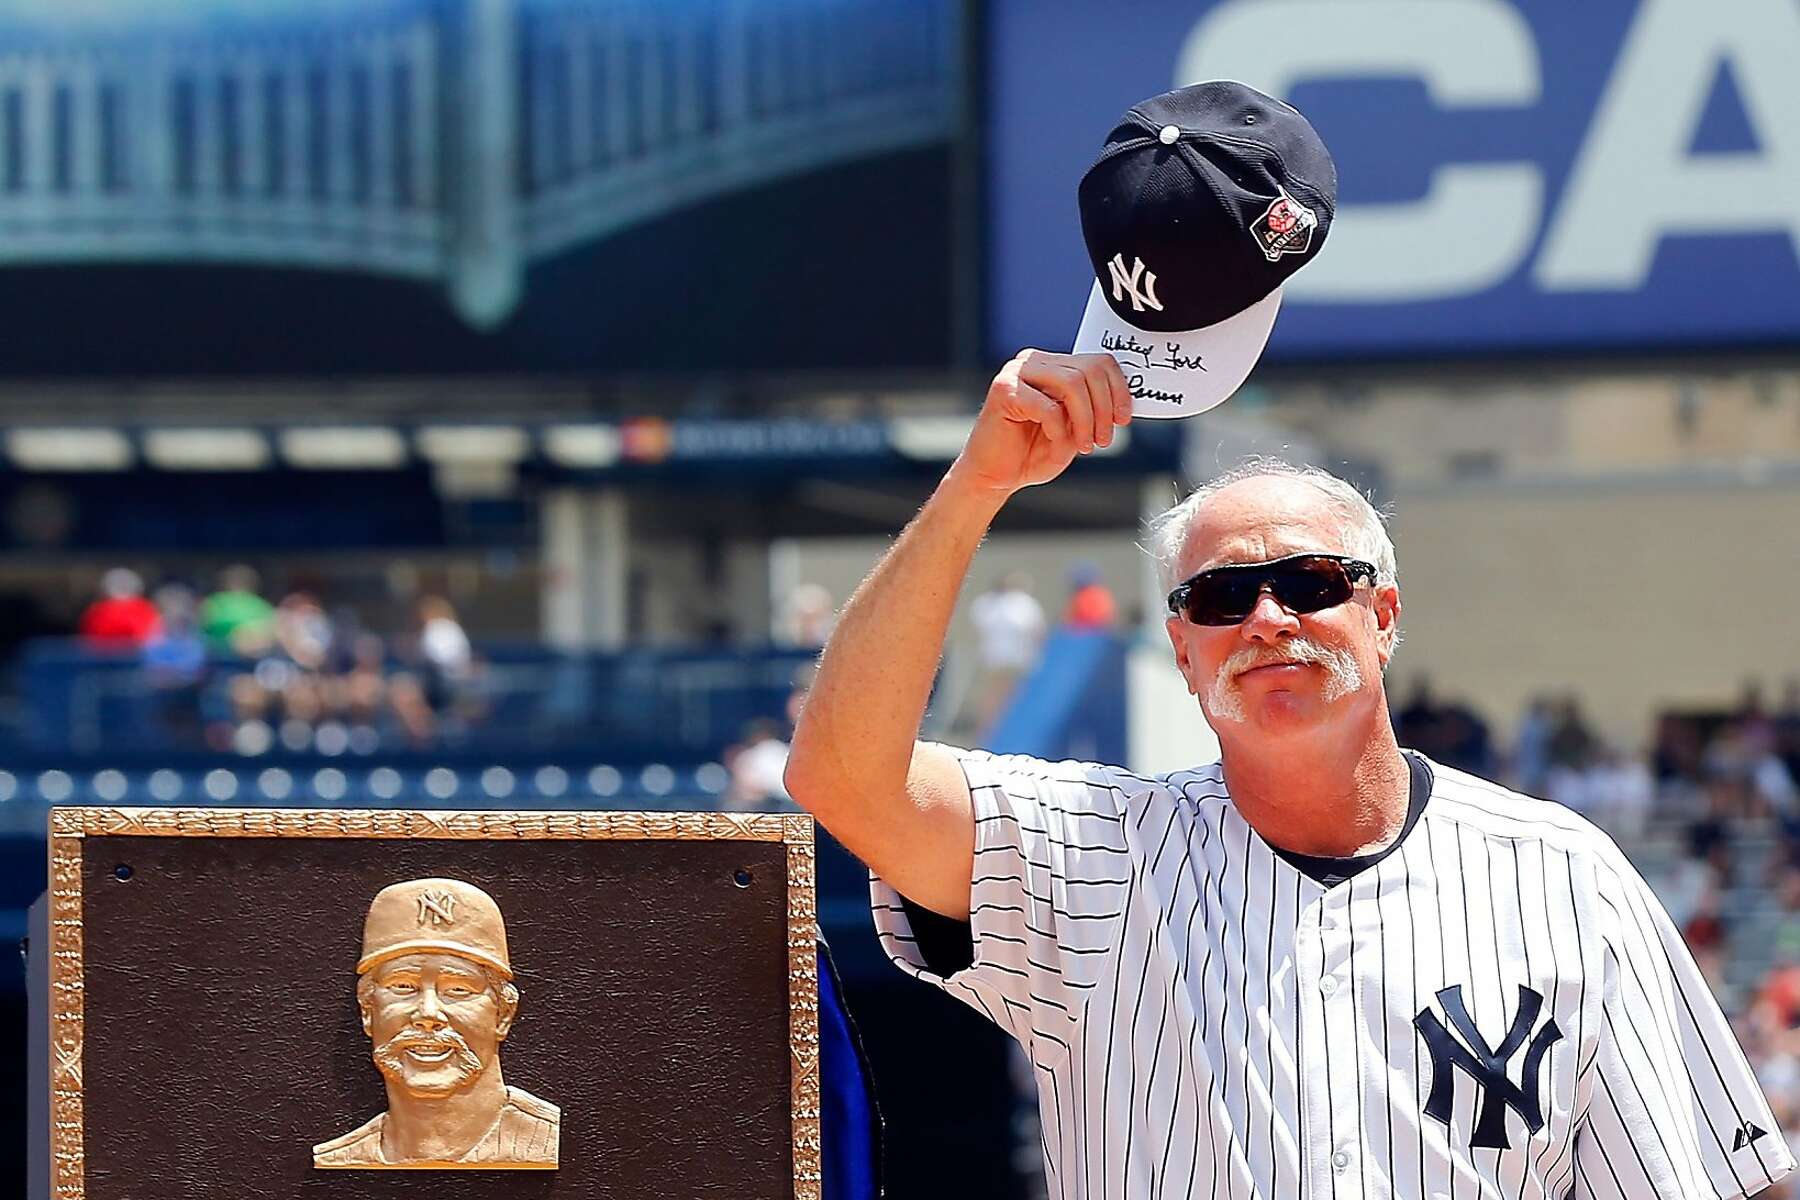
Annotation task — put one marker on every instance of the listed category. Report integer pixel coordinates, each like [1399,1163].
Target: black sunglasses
[1302,583]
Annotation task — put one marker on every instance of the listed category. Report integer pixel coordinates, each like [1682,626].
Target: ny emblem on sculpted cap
[437,907]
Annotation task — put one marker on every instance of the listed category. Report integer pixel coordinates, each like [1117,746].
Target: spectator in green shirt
[236,619]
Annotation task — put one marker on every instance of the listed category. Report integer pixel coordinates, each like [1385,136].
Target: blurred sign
[653,440]
[1514,174]
[638,447]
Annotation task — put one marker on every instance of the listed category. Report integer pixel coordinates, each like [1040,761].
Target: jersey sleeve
[1675,1111]
[1051,872]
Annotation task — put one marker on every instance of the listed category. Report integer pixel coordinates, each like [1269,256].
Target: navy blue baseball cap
[1201,204]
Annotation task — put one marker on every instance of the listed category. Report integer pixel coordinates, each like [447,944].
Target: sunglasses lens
[1227,595]
[1309,587]
[1224,597]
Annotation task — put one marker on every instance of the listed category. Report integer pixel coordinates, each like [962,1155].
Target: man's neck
[441,1129]
[1340,793]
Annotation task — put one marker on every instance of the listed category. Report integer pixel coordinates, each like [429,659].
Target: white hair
[1365,531]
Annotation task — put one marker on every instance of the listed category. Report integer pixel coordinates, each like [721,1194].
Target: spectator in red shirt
[1091,604]
[122,618]
[1777,1002]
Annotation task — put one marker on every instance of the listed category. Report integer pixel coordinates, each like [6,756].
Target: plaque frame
[69,825]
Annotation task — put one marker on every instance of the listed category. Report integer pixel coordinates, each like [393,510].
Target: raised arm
[901,805]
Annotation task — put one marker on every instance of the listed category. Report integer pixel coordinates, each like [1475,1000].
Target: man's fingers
[1080,398]
[1101,370]
[1063,382]
[1026,403]
[1079,403]
[1117,387]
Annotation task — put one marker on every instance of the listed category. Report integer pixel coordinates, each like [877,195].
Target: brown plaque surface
[207,1034]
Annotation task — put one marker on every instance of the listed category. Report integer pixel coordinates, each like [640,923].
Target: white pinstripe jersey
[1499,1007]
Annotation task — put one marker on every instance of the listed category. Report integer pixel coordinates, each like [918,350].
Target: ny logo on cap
[436,908]
[1124,283]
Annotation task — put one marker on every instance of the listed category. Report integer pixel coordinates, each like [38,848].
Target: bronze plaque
[348,1003]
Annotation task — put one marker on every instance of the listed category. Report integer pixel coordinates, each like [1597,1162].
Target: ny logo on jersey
[1486,1067]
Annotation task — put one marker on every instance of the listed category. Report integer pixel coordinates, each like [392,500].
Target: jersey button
[1340,1160]
[1328,984]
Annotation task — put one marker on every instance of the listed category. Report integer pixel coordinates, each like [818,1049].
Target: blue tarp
[1072,705]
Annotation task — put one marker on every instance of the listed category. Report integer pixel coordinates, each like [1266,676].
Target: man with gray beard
[435,990]
[1318,966]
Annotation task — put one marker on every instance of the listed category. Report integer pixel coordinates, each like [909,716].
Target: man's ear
[1387,620]
[1173,625]
[509,1010]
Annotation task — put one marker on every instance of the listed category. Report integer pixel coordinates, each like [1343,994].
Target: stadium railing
[77,704]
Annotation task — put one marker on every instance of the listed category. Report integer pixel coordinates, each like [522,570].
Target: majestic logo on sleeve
[1125,283]
[1286,227]
[1746,1133]
[1488,1068]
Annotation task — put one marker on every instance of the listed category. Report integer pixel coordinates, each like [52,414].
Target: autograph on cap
[1173,359]
[1141,392]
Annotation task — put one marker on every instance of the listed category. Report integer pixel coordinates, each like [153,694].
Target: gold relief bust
[436,992]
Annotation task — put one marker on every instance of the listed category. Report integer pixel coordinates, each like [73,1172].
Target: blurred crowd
[235,671]
[1727,783]
[1010,628]
[1704,767]
[1009,625]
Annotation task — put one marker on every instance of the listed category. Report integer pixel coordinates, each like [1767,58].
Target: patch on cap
[1285,227]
